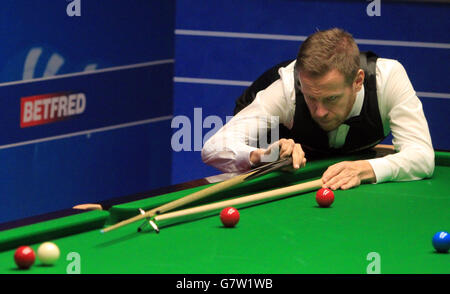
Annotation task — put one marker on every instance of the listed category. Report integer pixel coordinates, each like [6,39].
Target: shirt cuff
[382,169]
[243,157]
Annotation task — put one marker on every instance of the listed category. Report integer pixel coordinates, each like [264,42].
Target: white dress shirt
[400,109]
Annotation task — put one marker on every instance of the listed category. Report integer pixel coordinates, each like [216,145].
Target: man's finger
[332,171]
[298,156]
[349,185]
[272,153]
[286,148]
[303,162]
[354,182]
[332,181]
[342,181]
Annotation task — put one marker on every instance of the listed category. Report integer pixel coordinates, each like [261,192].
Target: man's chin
[328,127]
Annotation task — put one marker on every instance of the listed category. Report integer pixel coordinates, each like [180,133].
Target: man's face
[329,98]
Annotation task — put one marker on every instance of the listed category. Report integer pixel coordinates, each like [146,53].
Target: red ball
[229,217]
[324,197]
[24,257]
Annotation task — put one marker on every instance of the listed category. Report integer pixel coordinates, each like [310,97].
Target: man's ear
[359,80]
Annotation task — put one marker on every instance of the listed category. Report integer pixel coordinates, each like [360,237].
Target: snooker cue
[267,195]
[198,195]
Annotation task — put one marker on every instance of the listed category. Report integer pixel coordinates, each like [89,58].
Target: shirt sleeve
[411,137]
[229,149]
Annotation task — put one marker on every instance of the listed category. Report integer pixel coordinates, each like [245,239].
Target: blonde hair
[327,50]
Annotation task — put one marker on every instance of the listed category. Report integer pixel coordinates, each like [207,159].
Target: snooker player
[332,100]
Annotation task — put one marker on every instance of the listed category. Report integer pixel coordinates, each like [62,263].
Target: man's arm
[230,148]
[404,113]
[411,136]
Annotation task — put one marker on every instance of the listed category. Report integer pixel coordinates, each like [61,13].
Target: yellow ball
[48,253]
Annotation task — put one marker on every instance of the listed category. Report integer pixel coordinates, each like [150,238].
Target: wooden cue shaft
[182,201]
[268,195]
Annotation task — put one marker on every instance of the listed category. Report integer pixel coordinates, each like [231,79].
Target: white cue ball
[48,253]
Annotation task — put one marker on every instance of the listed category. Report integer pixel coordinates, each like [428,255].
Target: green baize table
[384,227]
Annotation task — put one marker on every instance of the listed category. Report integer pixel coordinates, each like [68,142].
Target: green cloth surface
[396,221]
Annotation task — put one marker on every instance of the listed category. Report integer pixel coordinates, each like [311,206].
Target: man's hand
[348,174]
[285,148]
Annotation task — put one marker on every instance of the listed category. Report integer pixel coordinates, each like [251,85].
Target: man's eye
[330,99]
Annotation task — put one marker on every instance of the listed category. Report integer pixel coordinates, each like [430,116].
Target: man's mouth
[324,122]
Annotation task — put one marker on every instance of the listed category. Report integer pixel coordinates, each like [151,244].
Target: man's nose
[320,110]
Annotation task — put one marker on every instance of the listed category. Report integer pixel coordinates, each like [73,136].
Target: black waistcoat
[366,130]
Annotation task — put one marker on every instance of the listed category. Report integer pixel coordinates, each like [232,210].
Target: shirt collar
[357,106]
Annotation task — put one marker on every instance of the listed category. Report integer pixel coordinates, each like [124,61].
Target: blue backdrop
[120,55]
